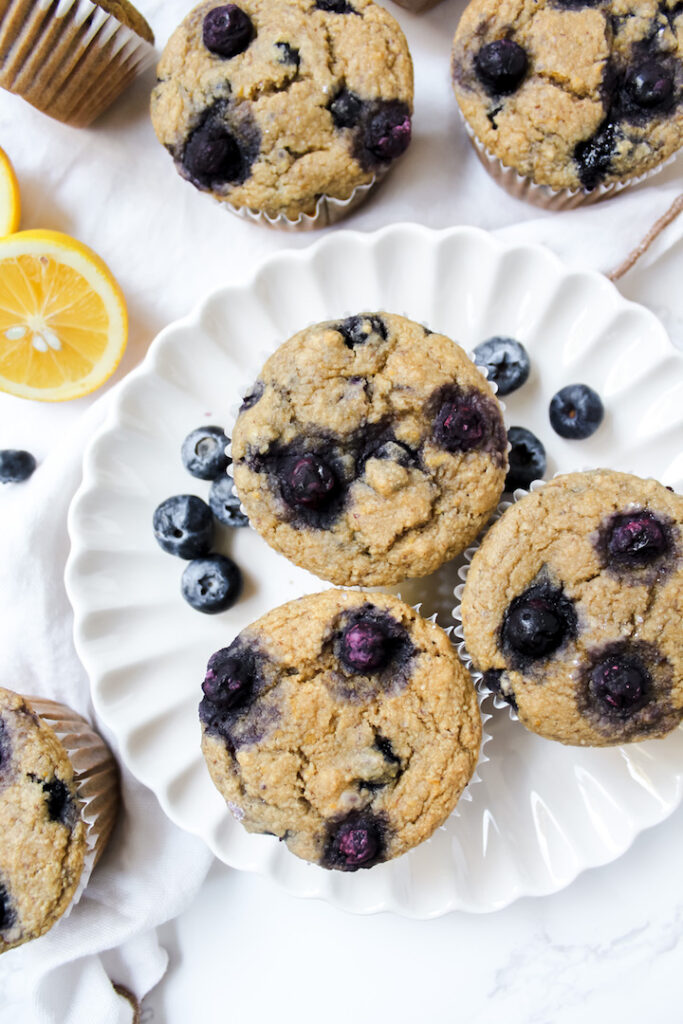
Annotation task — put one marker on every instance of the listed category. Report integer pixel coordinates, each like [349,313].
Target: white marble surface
[606,949]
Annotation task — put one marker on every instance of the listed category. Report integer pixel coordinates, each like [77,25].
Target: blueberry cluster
[575,412]
[184,524]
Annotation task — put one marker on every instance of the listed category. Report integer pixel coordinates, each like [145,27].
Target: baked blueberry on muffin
[370,450]
[272,104]
[572,94]
[572,608]
[344,724]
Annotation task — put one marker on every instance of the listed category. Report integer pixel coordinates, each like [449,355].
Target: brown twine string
[125,993]
[645,243]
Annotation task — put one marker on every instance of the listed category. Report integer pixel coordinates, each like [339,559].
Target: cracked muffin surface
[42,836]
[369,450]
[344,724]
[572,608]
[572,94]
[273,103]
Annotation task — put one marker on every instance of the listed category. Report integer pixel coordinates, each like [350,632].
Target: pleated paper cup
[72,58]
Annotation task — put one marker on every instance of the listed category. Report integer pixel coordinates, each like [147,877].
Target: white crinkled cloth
[114,188]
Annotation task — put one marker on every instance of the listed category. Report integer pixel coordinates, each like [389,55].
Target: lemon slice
[10,204]
[63,320]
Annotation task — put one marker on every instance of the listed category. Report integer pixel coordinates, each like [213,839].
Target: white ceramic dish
[542,812]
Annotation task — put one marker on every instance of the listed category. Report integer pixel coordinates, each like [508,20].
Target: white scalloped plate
[541,812]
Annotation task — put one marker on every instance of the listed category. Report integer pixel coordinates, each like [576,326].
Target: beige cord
[645,243]
[125,993]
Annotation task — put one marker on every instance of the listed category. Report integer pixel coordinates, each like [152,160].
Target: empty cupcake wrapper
[68,58]
[95,775]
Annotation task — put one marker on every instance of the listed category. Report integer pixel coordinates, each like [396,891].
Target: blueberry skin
[183,526]
[537,622]
[211,584]
[651,86]
[229,680]
[576,412]
[357,842]
[203,452]
[526,458]
[227,30]
[620,685]
[501,66]
[364,647]
[357,329]
[15,465]
[7,914]
[346,109]
[308,482]
[225,504]
[389,131]
[506,361]
[637,538]
[212,156]
[593,156]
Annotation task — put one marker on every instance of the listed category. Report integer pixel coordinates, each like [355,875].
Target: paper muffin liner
[69,58]
[328,210]
[96,778]
[544,196]
[417,6]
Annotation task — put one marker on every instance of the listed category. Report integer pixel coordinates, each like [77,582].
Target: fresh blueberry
[636,538]
[576,412]
[59,802]
[183,526]
[526,458]
[211,584]
[7,915]
[537,622]
[501,66]
[15,466]
[357,329]
[346,109]
[651,86]
[594,155]
[229,680]
[225,504]
[364,647]
[620,684]
[308,482]
[227,30]
[335,7]
[212,156]
[288,54]
[506,361]
[388,132]
[203,452]
[354,843]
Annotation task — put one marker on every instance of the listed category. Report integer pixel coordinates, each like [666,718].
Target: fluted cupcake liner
[68,58]
[96,778]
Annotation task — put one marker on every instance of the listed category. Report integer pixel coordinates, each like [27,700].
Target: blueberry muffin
[573,604]
[344,724]
[571,94]
[369,450]
[273,104]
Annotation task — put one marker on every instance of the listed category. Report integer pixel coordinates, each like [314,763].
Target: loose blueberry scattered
[227,30]
[225,504]
[357,329]
[506,362]
[288,54]
[354,843]
[15,465]
[526,458]
[229,680]
[203,452]
[183,526]
[211,584]
[620,684]
[388,132]
[346,109]
[308,482]
[364,647]
[7,915]
[537,622]
[576,412]
[501,66]
[651,86]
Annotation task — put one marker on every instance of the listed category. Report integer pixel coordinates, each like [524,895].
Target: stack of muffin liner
[96,779]
[68,58]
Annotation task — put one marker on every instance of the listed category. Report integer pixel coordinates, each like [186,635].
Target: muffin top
[343,723]
[42,835]
[273,103]
[128,16]
[572,94]
[572,608]
[369,450]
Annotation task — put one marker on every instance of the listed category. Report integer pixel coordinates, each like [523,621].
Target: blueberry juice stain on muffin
[268,104]
[372,450]
[342,723]
[573,94]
